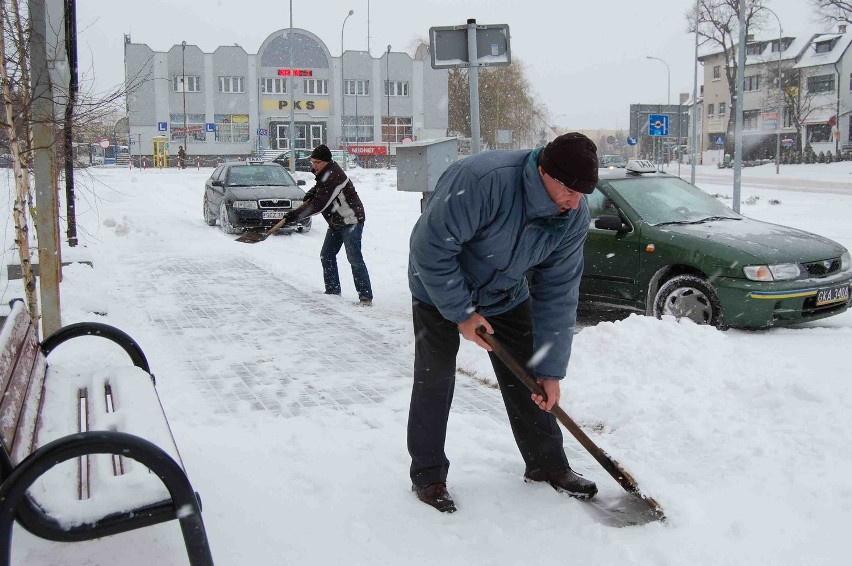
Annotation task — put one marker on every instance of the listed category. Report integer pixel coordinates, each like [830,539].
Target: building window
[850,82]
[754,49]
[721,109]
[821,83]
[396,88]
[394,129]
[316,86]
[194,127]
[710,110]
[352,87]
[232,127]
[824,46]
[186,83]
[750,119]
[231,84]
[818,133]
[360,130]
[752,82]
[273,86]
[717,73]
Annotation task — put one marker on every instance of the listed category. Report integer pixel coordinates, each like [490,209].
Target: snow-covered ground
[742,437]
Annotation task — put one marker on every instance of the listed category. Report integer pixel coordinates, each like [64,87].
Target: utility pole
[47,206]
[738,127]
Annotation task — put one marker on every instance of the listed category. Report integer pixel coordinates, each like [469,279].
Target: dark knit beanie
[572,159]
[322,153]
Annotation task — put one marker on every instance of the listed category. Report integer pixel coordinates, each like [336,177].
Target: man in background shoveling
[334,196]
[500,245]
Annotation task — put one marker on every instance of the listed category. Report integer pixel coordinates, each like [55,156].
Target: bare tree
[717,26]
[505,103]
[16,125]
[834,10]
[798,105]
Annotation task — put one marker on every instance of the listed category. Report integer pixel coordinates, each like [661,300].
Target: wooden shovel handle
[609,464]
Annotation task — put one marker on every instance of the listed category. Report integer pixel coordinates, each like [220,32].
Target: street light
[387,82]
[780,96]
[668,86]
[343,82]
[183,88]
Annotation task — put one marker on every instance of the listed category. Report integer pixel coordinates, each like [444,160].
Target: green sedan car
[662,246]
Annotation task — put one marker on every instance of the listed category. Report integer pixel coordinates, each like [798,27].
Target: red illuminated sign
[368,149]
[295,72]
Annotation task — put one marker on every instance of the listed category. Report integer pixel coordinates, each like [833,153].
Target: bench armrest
[120,337]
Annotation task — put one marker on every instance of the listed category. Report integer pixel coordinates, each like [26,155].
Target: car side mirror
[300,182]
[613,223]
[217,183]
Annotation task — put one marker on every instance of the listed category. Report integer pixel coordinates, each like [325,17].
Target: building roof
[810,57]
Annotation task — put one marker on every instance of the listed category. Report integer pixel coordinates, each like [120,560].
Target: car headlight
[296,203]
[252,204]
[845,261]
[780,272]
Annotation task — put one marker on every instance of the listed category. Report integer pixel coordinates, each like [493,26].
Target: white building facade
[232,104]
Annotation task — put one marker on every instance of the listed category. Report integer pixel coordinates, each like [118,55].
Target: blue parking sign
[658,125]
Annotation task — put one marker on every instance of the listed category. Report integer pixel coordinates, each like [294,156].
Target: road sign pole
[474,86]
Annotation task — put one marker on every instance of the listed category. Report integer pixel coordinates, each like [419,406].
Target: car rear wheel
[225,222]
[209,219]
[689,296]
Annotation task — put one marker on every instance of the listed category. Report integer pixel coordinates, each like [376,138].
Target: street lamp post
[343,85]
[668,82]
[387,82]
[291,138]
[183,88]
[780,95]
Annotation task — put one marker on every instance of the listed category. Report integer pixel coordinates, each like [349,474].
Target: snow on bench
[86,455]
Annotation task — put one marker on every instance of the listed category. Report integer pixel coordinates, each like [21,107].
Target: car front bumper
[253,219]
[755,304]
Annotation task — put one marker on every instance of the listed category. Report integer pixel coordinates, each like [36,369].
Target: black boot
[435,494]
[565,481]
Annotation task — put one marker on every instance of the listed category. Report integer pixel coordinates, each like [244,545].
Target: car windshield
[258,176]
[669,200]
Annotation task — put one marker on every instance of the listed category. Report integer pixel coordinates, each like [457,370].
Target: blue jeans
[335,238]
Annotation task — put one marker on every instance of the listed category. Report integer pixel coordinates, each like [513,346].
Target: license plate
[273,214]
[832,295]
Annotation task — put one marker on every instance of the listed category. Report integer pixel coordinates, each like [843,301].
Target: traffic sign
[658,125]
[162,126]
[209,127]
[631,141]
[262,132]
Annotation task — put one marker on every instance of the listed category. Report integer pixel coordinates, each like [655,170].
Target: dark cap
[572,159]
[322,153]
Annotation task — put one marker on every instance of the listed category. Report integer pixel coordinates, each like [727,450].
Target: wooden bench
[86,455]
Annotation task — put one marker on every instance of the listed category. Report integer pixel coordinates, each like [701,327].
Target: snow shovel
[609,464]
[255,237]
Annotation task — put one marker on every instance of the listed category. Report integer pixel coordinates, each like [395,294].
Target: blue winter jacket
[490,223]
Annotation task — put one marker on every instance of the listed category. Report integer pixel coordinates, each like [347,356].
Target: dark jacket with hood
[334,196]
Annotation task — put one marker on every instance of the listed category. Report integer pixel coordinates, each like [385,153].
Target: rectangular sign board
[449,49]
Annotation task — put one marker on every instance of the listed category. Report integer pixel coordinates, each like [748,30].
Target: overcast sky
[586,61]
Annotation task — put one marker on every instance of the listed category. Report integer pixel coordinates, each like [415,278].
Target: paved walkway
[316,334]
[227,338]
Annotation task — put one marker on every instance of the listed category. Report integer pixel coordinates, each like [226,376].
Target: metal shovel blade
[255,237]
[252,237]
